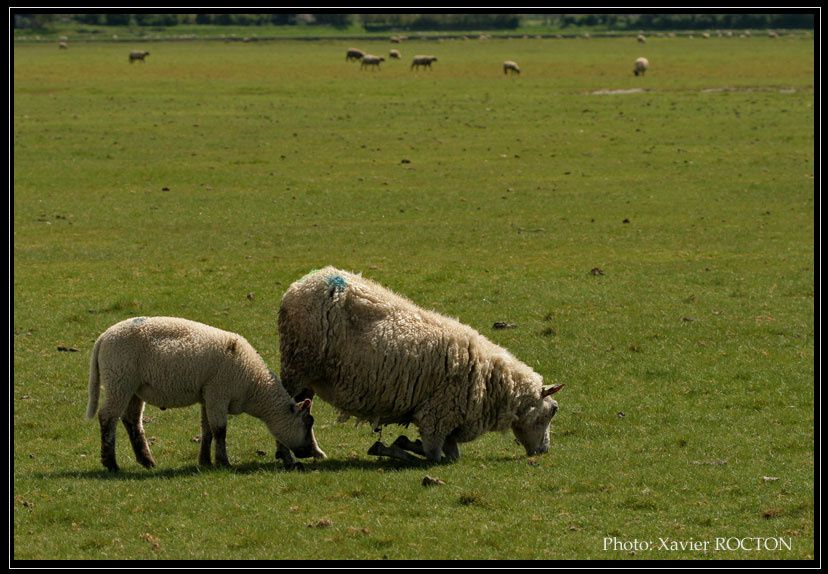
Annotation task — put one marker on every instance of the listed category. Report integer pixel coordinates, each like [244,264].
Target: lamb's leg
[283,453]
[206,439]
[216,413]
[112,409]
[220,433]
[135,430]
[108,427]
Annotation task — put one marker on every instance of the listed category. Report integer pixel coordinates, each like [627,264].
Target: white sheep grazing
[172,362]
[379,357]
[423,61]
[353,54]
[641,66]
[372,61]
[137,55]
[510,66]
[641,39]
[63,45]
[394,54]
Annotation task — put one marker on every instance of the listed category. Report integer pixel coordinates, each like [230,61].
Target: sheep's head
[303,441]
[532,427]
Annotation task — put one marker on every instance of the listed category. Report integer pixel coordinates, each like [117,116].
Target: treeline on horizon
[387,22]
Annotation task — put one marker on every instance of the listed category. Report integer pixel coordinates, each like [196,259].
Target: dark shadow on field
[129,472]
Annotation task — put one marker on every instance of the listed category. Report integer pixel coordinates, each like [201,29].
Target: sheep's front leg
[206,439]
[135,429]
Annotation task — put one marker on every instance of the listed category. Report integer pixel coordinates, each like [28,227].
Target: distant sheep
[372,61]
[641,66]
[379,357]
[172,362]
[641,39]
[137,55]
[63,45]
[423,61]
[353,54]
[394,54]
[510,66]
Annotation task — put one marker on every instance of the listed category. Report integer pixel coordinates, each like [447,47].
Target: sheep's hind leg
[412,446]
[108,427]
[451,452]
[206,439]
[135,429]
[393,451]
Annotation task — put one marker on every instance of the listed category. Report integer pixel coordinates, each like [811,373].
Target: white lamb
[379,357]
[172,362]
[510,66]
[641,66]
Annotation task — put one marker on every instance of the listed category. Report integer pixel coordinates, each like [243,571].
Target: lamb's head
[531,427]
[300,438]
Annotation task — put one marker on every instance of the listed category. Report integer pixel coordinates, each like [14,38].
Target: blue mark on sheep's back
[138,320]
[338,282]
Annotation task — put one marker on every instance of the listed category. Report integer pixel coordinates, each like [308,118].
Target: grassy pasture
[214,171]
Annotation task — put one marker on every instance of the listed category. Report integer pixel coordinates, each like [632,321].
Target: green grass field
[203,182]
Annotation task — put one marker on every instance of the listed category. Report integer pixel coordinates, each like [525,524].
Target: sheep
[641,66]
[510,66]
[63,45]
[641,39]
[137,55]
[370,60]
[394,54]
[354,54]
[174,362]
[377,356]
[423,61]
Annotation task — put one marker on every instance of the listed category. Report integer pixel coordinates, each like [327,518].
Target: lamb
[423,61]
[641,66]
[377,356]
[394,54]
[370,60]
[353,54]
[510,66]
[137,55]
[172,362]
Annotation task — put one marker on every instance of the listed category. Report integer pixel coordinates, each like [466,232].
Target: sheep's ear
[303,406]
[551,390]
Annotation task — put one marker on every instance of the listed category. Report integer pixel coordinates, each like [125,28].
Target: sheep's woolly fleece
[377,356]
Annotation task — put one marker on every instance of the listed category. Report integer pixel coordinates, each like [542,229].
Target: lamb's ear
[303,406]
[551,390]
